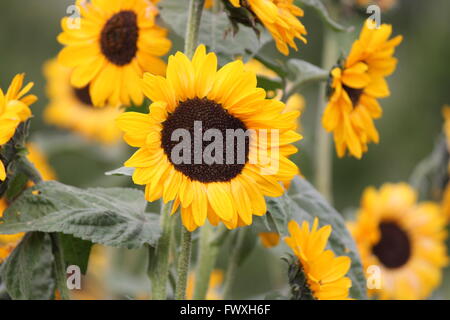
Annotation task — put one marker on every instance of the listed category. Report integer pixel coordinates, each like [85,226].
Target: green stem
[233,264]
[160,273]
[60,267]
[183,264]
[193,26]
[323,152]
[209,247]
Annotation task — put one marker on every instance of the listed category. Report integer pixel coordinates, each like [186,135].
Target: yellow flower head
[215,281]
[269,239]
[110,47]
[356,86]
[14,109]
[403,239]
[325,273]
[9,242]
[280,17]
[197,100]
[71,108]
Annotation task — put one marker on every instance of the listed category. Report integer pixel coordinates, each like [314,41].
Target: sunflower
[280,19]
[325,273]
[356,86]
[269,239]
[403,238]
[384,5]
[215,281]
[193,99]
[71,108]
[14,109]
[9,242]
[116,39]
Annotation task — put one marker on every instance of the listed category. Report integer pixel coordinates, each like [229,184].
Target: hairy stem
[234,263]
[183,264]
[323,152]
[60,267]
[193,26]
[160,273]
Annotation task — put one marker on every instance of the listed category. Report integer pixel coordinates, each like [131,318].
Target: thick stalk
[233,264]
[160,272]
[60,267]
[323,152]
[209,247]
[193,26]
[183,264]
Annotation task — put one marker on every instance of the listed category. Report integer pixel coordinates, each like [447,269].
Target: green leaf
[122,171]
[113,217]
[322,11]
[28,271]
[76,251]
[300,72]
[303,202]
[216,31]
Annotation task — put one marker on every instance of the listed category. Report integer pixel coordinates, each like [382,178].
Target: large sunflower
[356,86]
[325,273]
[72,108]
[280,17]
[197,97]
[115,43]
[14,109]
[406,240]
[9,242]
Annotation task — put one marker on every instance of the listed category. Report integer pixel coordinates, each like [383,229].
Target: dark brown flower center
[119,38]
[354,94]
[394,248]
[197,117]
[83,95]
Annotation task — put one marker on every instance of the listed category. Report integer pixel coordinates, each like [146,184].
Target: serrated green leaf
[322,11]
[303,202]
[110,216]
[122,171]
[216,31]
[76,251]
[28,271]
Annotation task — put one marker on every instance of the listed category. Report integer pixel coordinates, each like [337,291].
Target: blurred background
[410,125]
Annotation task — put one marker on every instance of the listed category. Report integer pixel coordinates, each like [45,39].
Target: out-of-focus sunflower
[405,239]
[280,17]
[384,5]
[324,272]
[9,242]
[193,99]
[71,108]
[215,281]
[14,109]
[356,86]
[269,239]
[446,191]
[115,39]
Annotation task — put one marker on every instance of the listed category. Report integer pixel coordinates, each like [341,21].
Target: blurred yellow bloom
[71,108]
[280,17]
[356,87]
[215,281]
[115,42]
[404,239]
[14,109]
[325,273]
[269,239]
